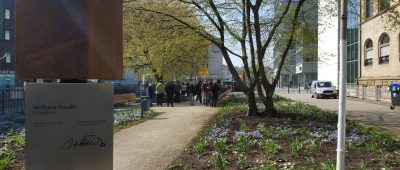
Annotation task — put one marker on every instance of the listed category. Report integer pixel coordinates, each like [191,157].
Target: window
[369,8]
[384,49]
[6,35]
[7,57]
[368,53]
[324,84]
[383,5]
[7,14]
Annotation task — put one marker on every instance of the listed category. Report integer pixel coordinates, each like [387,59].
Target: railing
[12,100]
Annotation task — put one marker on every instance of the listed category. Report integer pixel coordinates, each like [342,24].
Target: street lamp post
[342,87]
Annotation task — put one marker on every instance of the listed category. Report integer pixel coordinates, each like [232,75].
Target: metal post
[288,88]
[342,86]
[3,103]
[299,88]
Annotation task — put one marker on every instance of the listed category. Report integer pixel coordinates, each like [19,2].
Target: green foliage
[177,164]
[201,145]
[305,111]
[6,156]
[220,144]
[284,134]
[264,167]
[313,163]
[271,146]
[236,98]
[244,142]
[373,147]
[296,146]
[219,160]
[244,127]
[18,139]
[155,44]
[241,159]
[315,146]
[264,131]
[363,166]
[328,166]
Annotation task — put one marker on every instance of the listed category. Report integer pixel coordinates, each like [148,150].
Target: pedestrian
[204,93]
[177,90]
[187,90]
[191,91]
[160,88]
[183,86]
[215,93]
[210,95]
[169,89]
[198,91]
[150,94]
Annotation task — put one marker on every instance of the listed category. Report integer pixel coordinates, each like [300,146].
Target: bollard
[299,88]
[144,105]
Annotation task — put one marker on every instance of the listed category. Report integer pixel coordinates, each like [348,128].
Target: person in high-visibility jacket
[160,89]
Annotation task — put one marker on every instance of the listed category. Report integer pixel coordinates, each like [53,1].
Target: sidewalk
[369,113]
[155,143]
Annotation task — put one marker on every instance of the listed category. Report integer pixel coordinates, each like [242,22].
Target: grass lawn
[302,137]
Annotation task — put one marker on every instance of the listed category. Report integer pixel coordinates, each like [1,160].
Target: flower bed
[303,137]
[11,121]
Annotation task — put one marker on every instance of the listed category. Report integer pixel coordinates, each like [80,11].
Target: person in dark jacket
[177,89]
[215,93]
[169,89]
[198,91]
[191,91]
[150,94]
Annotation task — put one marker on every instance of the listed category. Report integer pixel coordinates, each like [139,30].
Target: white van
[320,89]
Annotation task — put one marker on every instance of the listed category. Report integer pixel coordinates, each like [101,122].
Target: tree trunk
[251,99]
[269,106]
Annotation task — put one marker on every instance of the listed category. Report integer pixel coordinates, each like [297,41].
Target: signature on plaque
[86,141]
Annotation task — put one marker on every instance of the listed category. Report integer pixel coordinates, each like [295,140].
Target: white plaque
[69,126]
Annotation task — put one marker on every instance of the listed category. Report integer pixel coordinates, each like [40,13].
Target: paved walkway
[155,143]
[368,113]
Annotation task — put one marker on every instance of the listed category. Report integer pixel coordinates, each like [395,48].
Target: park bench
[125,98]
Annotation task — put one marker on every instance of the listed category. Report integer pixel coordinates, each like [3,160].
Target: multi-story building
[7,43]
[301,61]
[379,49]
[352,44]
[328,43]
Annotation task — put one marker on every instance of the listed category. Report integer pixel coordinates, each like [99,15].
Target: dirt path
[154,144]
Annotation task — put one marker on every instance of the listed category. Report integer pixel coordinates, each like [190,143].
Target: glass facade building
[352,41]
[7,44]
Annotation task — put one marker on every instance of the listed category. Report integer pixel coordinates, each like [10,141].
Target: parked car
[320,89]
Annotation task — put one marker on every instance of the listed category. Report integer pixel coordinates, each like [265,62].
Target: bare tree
[251,23]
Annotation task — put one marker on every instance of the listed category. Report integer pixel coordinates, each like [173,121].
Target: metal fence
[12,100]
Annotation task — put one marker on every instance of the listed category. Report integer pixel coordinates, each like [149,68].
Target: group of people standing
[206,92]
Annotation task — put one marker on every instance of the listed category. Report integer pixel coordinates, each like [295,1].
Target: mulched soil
[355,157]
